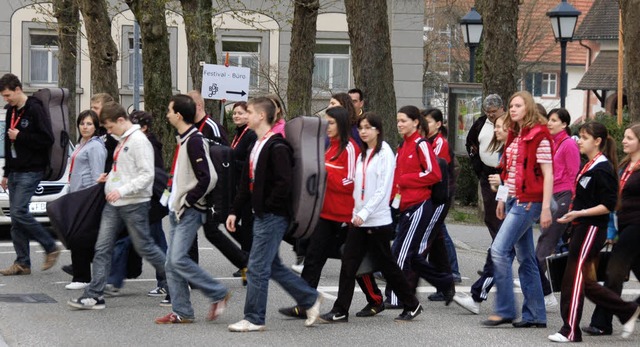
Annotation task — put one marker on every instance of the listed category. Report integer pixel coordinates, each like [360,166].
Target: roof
[601,23]
[602,74]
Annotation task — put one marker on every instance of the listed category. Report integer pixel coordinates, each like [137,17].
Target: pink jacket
[278,128]
[566,162]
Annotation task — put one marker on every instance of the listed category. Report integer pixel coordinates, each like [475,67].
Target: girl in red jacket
[416,171]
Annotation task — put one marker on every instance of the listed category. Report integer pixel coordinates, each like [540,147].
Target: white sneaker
[297,268]
[516,282]
[627,328]
[467,302]
[550,302]
[111,291]
[313,312]
[557,337]
[244,326]
[76,285]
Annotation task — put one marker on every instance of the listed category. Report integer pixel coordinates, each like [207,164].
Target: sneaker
[50,259]
[557,337]
[237,273]
[76,285]
[314,311]
[437,296]
[166,302]
[159,291]
[550,302]
[218,307]
[297,268]
[294,311]
[110,290]
[16,269]
[244,326]
[334,317]
[370,310]
[172,318]
[84,303]
[68,269]
[390,306]
[467,302]
[627,328]
[408,315]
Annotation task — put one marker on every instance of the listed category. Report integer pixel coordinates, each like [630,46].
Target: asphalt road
[128,319]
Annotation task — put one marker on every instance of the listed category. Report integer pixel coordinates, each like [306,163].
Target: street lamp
[471,25]
[563,21]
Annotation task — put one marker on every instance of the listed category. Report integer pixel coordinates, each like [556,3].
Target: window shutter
[537,84]
[528,82]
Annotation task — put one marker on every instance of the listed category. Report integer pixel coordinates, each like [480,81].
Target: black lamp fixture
[471,25]
[563,21]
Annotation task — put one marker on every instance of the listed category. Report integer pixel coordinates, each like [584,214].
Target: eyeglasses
[366,128]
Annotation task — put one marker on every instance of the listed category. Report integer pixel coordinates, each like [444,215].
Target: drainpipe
[589,65]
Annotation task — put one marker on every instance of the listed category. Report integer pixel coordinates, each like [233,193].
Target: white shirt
[484,138]
[377,181]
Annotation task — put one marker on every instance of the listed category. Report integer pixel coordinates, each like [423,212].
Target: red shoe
[218,307]
[172,318]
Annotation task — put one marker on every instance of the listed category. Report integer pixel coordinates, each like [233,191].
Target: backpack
[222,195]
[54,101]
[440,190]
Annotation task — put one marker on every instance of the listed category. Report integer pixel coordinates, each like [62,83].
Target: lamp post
[563,21]
[471,25]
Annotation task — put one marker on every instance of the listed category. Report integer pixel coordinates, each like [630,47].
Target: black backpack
[222,195]
[440,190]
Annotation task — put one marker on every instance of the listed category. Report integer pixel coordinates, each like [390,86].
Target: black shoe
[370,310]
[448,295]
[334,317]
[295,312]
[390,306]
[480,272]
[238,273]
[523,324]
[408,315]
[437,296]
[593,331]
[68,269]
[496,322]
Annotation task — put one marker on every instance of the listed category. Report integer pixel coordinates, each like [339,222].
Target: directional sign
[229,83]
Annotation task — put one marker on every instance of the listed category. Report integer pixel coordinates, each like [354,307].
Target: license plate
[38,207]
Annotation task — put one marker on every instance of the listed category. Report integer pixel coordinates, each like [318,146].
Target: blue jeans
[119,262]
[22,186]
[451,252]
[515,239]
[182,270]
[135,218]
[158,237]
[265,263]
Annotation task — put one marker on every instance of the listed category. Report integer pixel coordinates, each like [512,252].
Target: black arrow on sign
[241,93]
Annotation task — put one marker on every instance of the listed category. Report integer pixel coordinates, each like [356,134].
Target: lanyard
[253,158]
[73,158]
[627,173]
[15,121]
[365,164]
[117,153]
[236,139]
[173,166]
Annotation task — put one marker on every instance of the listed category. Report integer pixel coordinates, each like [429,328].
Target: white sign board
[229,83]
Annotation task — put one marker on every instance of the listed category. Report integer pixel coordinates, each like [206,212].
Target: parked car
[47,191]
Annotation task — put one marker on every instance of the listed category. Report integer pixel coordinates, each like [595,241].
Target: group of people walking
[378,205]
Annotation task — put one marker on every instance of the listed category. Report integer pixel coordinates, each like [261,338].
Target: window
[244,52]
[541,84]
[43,57]
[131,66]
[126,52]
[332,66]
[549,83]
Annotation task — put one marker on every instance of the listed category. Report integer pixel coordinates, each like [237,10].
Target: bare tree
[303,41]
[500,39]
[103,51]
[631,33]
[371,54]
[68,18]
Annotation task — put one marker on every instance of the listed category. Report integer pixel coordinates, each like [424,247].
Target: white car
[47,191]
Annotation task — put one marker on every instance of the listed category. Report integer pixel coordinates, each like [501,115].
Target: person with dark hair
[193,176]
[265,184]
[344,100]
[596,194]
[626,253]
[416,171]
[87,164]
[207,125]
[372,225]
[357,99]
[128,190]
[27,141]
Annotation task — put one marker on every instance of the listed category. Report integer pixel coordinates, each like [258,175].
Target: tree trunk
[68,17]
[154,35]
[201,43]
[103,52]
[303,42]
[500,40]
[371,59]
[631,26]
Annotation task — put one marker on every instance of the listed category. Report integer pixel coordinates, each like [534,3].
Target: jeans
[114,218]
[182,270]
[451,252]
[265,263]
[158,237]
[119,261]
[515,239]
[22,186]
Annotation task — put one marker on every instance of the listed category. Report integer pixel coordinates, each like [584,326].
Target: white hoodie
[374,207]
